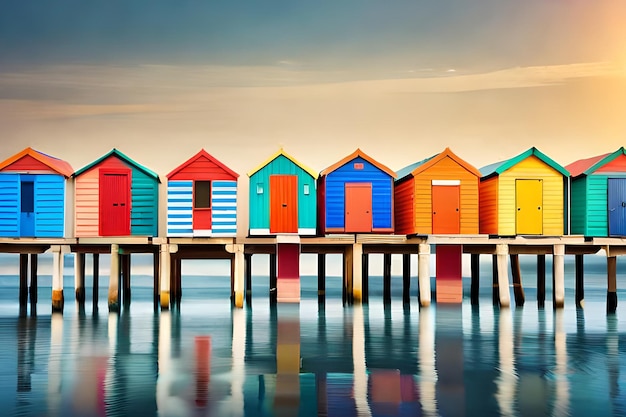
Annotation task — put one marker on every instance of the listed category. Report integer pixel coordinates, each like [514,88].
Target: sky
[401,80]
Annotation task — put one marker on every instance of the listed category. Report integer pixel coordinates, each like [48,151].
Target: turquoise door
[27,206]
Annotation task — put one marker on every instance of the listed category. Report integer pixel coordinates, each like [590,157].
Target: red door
[114,203]
[446,209]
[358,207]
[283,204]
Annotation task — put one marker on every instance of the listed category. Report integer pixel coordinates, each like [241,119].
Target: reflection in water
[449,360]
[55,371]
[360,367]
[287,396]
[26,336]
[428,372]
[561,402]
[507,378]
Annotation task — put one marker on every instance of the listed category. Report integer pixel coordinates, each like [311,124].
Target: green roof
[120,155]
[410,168]
[499,167]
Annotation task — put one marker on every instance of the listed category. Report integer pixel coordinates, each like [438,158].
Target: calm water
[211,360]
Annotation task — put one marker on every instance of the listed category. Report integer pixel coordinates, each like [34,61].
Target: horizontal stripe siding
[224,204]
[9,193]
[180,208]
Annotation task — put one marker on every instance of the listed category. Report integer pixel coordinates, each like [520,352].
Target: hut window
[202,194]
[358,165]
[306,189]
[259,188]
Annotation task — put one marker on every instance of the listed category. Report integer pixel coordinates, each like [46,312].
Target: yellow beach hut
[523,195]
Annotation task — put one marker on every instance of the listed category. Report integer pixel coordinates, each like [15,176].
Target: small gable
[202,166]
[32,160]
[616,165]
[28,163]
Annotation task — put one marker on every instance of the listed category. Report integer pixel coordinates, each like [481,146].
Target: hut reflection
[428,371]
[287,395]
[449,360]
[506,381]
[26,338]
[358,358]
[55,370]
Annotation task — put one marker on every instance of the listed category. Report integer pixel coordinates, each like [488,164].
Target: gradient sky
[402,80]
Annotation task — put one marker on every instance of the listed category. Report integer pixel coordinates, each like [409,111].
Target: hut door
[446,209]
[27,207]
[114,203]
[283,204]
[529,207]
[617,206]
[358,207]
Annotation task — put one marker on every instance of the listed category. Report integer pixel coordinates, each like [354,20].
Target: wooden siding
[144,214]
[489,206]
[180,208]
[49,205]
[597,205]
[382,194]
[259,203]
[446,169]
[531,168]
[9,206]
[404,193]
[86,200]
[28,163]
[224,213]
[579,206]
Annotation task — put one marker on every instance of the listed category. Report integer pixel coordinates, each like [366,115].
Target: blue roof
[410,168]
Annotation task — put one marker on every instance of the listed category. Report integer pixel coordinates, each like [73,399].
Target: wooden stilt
[387,278]
[611,294]
[164,266]
[248,273]
[79,277]
[238,261]
[475,271]
[406,278]
[96,281]
[179,281]
[114,279]
[357,273]
[321,277]
[365,266]
[347,275]
[58,300]
[156,283]
[125,268]
[580,277]
[33,279]
[518,289]
[558,277]
[23,280]
[273,278]
[502,251]
[424,274]
[541,280]
[495,286]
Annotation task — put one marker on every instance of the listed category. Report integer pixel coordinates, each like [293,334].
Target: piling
[423,256]
[164,266]
[57,279]
[114,279]
[475,272]
[79,277]
[495,286]
[23,280]
[518,289]
[502,250]
[611,294]
[365,266]
[125,270]
[248,276]
[238,263]
[406,278]
[580,289]
[558,277]
[273,278]
[156,284]
[321,277]
[541,280]
[357,272]
[33,279]
[96,280]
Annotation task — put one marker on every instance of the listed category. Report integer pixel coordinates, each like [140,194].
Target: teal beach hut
[598,195]
[282,197]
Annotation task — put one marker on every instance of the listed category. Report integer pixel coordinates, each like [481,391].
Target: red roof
[203,155]
[55,164]
[578,167]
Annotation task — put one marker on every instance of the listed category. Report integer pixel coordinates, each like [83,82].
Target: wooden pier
[168,254]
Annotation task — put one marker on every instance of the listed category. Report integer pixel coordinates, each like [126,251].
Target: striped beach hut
[437,195]
[202,198]
[598,195]
[116,196]
[282,197]
[524,195]
[32,195]
[356,196]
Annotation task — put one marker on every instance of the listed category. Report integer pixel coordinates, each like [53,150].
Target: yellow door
[529,206]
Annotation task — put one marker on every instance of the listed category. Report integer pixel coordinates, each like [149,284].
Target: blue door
[27,207]
[617,206]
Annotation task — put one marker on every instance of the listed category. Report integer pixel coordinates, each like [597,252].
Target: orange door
[446,209]
[283,204]
[358,207]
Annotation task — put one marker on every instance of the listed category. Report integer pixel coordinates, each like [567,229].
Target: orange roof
[356,154]
[421,166]
[58,165]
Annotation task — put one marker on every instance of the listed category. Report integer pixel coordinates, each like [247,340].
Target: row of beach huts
[529,194]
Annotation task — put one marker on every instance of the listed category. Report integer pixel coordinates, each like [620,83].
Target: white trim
[202,233]
[260,231]
[306,231]
[446,182]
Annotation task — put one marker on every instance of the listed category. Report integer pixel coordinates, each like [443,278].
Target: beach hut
[598,195]
[32,195]
[115,196]
[438,195]
[202,198]
[356,196]
[282,197]
[523,195]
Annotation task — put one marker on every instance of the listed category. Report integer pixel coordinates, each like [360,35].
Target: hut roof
[356,154]
[499,167]
[56,164]
[115,152]
[590,165]
[202,154]
[417,167]
[286,155]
